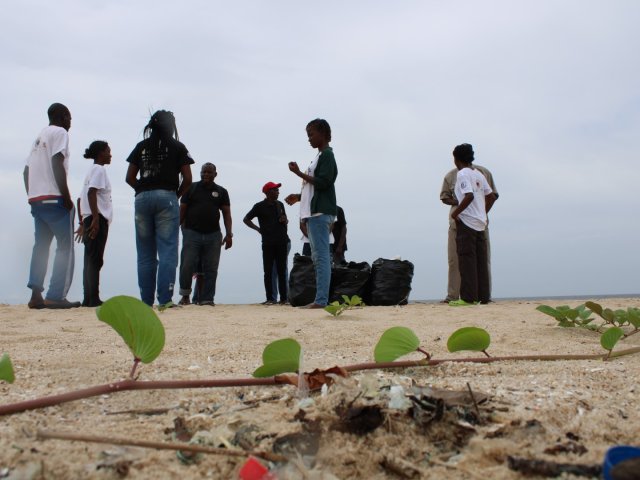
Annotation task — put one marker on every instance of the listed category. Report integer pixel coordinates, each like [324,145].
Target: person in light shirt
[475,199]
[45,180]
[95,210]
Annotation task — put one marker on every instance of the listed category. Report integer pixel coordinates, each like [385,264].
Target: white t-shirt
[306,193]
[42,183]
[97,178]
[472,181]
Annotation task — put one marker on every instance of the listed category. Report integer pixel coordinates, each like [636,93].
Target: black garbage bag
[302,281]
[390,282]
[349,279]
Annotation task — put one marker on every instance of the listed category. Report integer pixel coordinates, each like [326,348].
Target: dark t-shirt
[272,230]
[338,226]
[203,207]
[161,172]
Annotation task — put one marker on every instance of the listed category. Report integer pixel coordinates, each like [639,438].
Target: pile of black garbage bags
[386,282]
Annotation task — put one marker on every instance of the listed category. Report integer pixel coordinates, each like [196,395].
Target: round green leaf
[634,316]
[608,315]
[276,368]
[594,307]
[6,369]
[334,308]
[394,343]
[279,357]
[552,312]
[469,338]
[136,323]
[609,338]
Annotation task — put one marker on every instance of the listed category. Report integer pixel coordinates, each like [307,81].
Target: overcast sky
[547,92]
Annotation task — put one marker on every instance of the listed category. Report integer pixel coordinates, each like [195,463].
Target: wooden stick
[75,437]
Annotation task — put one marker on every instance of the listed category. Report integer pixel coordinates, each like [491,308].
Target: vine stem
[631,333]
[131,384]
[136,361]
[437,361]
[424,352]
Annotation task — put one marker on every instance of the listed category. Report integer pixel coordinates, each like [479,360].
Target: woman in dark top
[155,167]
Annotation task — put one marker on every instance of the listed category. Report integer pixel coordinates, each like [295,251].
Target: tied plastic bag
[390,282]
[302,281]
[349,279]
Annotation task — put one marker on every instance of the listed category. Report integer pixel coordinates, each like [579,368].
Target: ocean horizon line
[549,297]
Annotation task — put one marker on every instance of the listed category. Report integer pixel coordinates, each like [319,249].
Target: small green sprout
[336,308]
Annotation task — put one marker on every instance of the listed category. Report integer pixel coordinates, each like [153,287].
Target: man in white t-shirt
[448,197]
[475,199]
[45,180]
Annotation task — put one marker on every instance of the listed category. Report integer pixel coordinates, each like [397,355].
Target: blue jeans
[52,219]
[274,275]
[200,253]
[319,229]
[157,219]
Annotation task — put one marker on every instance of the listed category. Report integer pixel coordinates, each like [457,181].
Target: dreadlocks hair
[322,126]
[464,153]
[95,149]
[161,128]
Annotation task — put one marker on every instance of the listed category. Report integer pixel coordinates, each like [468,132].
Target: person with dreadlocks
[318,207]
[155,167]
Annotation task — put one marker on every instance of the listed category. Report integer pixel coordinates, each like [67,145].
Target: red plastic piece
[254,470]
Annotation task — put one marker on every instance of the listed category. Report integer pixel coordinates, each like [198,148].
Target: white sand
[53,351]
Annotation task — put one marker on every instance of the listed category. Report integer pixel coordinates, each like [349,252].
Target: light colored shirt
[306,194]
[472,181]
[97,178]
[42,183]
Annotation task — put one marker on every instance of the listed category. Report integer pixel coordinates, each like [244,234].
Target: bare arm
[25,176]
[292,198]
[185,171]
[293,166]
[466,201]
[132,173]
[59,174]
[227,241]
[80,231]
[489,200]
[249,223]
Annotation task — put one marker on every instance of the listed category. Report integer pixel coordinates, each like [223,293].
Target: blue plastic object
[616,455]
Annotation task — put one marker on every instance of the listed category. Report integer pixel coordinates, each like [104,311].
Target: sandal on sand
[313,306]
[36,305]
[184,301]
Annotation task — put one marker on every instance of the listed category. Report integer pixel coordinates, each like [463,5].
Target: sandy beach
[562,411]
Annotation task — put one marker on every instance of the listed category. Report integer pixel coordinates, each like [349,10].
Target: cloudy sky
[546,91]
